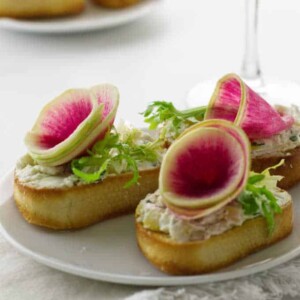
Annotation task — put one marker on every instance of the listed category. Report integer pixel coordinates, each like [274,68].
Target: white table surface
[159,57]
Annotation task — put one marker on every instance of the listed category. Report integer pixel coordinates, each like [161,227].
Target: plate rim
[140,280]
[75,26]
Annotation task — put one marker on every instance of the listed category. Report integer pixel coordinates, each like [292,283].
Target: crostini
[274,132]
[80,169]
[210,210]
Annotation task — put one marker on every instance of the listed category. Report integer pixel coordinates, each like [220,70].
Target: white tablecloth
[159,57]
[24,279]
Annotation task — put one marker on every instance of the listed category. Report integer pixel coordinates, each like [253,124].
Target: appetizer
[210,210]
[80,169]
[274,132]
[39,9]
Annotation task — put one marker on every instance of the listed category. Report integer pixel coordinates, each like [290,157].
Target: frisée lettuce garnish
[117,153]
[258,198]
[171,121]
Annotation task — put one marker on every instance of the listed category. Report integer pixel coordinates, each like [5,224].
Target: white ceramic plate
[93,17]
[108,251]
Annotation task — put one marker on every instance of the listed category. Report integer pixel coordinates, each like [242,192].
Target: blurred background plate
[93,18]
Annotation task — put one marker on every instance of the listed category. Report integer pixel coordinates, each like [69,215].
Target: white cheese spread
[154,215]
[40,177]
[37,176]
[279,144]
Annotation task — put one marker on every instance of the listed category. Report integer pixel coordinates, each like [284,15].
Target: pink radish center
[227,105]
[61,121]
[206,167]
[249,111]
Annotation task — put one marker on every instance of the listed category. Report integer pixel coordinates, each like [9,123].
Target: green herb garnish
[294,138]
[257,198]
[174,120]
[114,154]
[258,143]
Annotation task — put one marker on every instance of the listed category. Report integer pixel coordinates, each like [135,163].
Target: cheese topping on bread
[37,176]
[276,146]
[154,215]
[279,144]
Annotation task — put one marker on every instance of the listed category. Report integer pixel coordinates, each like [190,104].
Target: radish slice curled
[234,101]
[204,169]
[72,123]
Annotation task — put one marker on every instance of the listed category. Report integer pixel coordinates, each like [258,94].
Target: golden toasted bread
[196,257]
[51,207]
[290,169]
[116,3]
[40,8]
[82,205]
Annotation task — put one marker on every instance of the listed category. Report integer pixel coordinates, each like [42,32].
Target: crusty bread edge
[116,4]
[27,198]
[84,205]
[290,169]
[219,251]
[30,9]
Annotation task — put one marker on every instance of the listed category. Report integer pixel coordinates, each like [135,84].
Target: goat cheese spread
[279,144]
[154,215]
[37,176]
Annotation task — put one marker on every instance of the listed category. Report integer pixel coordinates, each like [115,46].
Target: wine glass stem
[250,66]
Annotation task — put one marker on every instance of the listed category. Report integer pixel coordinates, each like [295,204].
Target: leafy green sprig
[114,155]
[174,120]
[258,199]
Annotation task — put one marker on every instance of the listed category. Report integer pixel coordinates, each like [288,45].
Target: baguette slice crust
[116,3]
[83,205]
[290,169]
[40,8]
[219,251]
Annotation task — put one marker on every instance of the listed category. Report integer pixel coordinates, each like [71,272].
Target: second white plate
[94,17]
[108,251]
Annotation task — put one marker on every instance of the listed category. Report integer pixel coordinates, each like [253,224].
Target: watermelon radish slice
[190,213]
[234,101]
[72,123]
[208,165]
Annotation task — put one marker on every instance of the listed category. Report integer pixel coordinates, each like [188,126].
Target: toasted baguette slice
[40,8]
[80,206]
[116,3]
[290,169]
[83,205]
[218,251]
